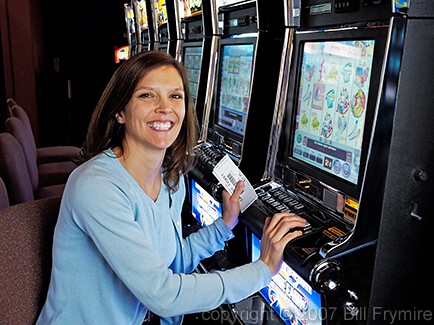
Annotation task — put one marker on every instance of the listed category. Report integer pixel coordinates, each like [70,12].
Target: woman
[118,249]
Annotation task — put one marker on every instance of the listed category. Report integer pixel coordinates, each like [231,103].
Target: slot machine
[240,115]
[144,36]
[239,118]
[328,156]
[197,37]
[131,26]
[167,24]
[399,282]
[159,22]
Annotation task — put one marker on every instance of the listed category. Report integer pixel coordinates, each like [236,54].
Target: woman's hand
[275,235]
[231,205]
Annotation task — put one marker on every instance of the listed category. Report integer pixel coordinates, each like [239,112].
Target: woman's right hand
[275,235]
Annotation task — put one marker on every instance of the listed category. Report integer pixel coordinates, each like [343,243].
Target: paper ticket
[228,175]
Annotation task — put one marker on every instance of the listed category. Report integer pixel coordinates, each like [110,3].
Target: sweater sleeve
[132,258]
[204,243]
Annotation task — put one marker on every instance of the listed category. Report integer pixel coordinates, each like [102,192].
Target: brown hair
[105,132]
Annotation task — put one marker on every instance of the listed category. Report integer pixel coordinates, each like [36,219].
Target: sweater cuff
[223,229]
[266,270]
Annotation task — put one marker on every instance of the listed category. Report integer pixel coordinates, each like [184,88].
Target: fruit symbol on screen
[333,74]
[327,126]
[358,104]
[304,120]
[315,123]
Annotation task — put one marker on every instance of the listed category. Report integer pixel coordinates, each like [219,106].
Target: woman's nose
[164,106]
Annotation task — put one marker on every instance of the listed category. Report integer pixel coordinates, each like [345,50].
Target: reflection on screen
[192,60]
[292,298]
[333,94]
[234,88]
[205,208]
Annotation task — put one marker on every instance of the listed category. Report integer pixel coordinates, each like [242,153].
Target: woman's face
[153,117]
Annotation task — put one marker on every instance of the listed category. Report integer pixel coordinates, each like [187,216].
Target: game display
[234,86]
[291,297]
[333,93]
[205,208]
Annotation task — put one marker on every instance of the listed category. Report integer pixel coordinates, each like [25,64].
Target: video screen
[205,208]
[192,61]
[236,62]
[331,107]
[291,297]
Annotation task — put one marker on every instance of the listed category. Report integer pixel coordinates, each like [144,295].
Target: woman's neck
[145,169]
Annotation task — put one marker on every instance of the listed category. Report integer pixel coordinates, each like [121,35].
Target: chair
[4,197]
[43,174]
[25,258]
[44,154]
[13,171]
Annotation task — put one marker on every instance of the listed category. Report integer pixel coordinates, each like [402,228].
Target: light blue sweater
[116,254]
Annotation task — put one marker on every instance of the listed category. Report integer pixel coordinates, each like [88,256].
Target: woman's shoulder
[101,168]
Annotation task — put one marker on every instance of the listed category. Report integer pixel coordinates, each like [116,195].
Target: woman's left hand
[231,205]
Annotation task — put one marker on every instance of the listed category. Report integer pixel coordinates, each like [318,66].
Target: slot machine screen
[205,208]
[233,86]
[330,110]
[192,59]
[290,296]
[333,94]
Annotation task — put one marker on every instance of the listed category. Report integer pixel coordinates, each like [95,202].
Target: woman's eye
[177,96]
[145,95]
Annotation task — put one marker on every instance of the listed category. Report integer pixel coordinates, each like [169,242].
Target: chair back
[13,170]
[11,103]
[25,138]
[19,112]
[25,253]
[4,197]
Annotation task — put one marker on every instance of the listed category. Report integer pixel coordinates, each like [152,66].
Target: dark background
[80,37]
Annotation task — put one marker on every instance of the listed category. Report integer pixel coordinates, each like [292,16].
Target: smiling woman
[151,81]
[119,233]
[153,117]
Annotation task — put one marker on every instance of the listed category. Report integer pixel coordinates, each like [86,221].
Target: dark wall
[3,108]
[80,39]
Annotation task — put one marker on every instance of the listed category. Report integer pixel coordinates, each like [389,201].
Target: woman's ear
[120,117]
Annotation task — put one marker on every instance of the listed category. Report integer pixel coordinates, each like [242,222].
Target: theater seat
[40,174]
[14,172]
[4,197]
[44,154]
[25,253]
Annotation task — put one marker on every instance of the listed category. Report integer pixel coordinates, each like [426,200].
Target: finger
[239,188]
[290,236]
[267,222]
[285,224]
[279,216]
[225,194]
